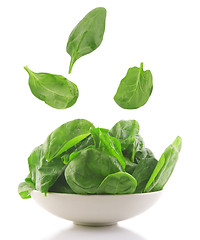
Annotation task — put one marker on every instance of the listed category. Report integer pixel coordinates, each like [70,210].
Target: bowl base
[95,224]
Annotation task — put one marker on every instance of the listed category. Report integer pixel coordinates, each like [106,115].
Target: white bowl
[96,210]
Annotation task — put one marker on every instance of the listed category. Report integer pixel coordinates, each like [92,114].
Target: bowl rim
[99,195]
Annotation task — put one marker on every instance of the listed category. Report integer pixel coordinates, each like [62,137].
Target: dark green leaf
[164,167]
[65,137]
[44,174]
[142,154]
[87,169]
[104,142]
[118,183]
[87,35]
[54,90]
[135,89]
[24,190]
[143,171]
[130,166]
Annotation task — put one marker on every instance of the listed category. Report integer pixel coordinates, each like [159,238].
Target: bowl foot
[95,224]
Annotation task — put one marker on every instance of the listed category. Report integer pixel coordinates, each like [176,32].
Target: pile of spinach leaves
[78,158]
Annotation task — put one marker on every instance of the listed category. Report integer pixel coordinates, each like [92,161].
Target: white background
[162,34]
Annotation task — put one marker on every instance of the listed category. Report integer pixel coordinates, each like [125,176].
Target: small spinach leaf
[65,137]
[118,183]
[143,171]
[87,35]
[104,142]
[44,174]
[135,89]
[24,190]
[130,166]
[54,90]
[87,169]
[164,167]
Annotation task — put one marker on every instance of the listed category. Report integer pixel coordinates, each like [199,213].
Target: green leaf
[164,167]
[44,174]
[130,166]
[65,137]
[143,171]
[61,186]
[135,89]
[104,142]
[54,90]
[125,132]
[87,35]
[118,183]
[87,169]
[24,190]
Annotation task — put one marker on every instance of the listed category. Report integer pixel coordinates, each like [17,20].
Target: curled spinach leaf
[54,90]
[88,168]
[135,89]
[164,167]
[87,35]
[118,183]
[65,137]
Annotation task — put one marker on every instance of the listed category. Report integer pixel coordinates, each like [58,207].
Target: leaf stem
[71,65]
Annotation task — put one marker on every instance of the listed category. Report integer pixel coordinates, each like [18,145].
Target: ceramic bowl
[96,210]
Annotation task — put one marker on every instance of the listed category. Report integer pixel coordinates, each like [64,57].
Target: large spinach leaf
[54,90]
[88,168]
[164,167]
[118,183]
[65,137]
[135,89]
[143,171]
[44,174]
[87,35]
[104,142]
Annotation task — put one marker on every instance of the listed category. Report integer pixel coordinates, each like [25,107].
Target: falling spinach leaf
[164,167]
[118,183]
[87,35]
[54,90]
[135,89]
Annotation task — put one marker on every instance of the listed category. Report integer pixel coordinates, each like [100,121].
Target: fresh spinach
[135,89]
[54,90]
[143,171]
[65,137]
[118,183]
[164,167]
[24,190]
[87,35]
[78,158]
[106,143]
[88,168]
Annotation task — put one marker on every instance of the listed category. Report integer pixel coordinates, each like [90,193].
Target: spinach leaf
[143,171]
[61,186]
[54,90]
[135,89]
[142,154]
[164,167]
[118,183]
[125,132]
[24,190]
[44,174]
[65,137]
[130,166]
[87,35]
[88,168]
[104,142]
[29,181]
